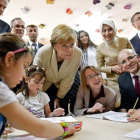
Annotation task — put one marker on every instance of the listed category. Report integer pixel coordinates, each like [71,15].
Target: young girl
[14,59]
[31,98]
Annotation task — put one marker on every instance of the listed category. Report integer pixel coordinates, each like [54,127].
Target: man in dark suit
[135,41]
[32,32]
[129,82]
[4,27]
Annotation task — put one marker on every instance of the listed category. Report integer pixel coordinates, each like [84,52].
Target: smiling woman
[92,95]
[107,55]
[60,61]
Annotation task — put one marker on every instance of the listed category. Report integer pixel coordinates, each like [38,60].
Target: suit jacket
[82,100]
[63,79]
[39,44]
[4,27]
[128,95]
[135,41]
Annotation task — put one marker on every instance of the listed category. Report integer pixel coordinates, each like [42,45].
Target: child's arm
[55,113]
[26,121]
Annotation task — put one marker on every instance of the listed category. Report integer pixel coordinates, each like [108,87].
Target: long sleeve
[79,104]
[124,98]
[101,61]
[111,98]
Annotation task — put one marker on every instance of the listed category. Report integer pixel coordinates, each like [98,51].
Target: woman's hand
[135,115]
[72,129]
[105,82]
[56,103]
[97,107]
[117,69]
[58,112]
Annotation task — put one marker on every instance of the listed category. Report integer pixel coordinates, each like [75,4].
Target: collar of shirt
[138,74]
[139,34]
[30,42]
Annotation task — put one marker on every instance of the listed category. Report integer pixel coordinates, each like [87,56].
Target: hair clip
[30,48]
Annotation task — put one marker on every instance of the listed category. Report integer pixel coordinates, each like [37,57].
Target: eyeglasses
[95,75]
[130,58]
[18,26]
[137,19]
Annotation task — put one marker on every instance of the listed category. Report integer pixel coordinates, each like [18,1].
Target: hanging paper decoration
[25,10]
[96,1]
[69,11]
[50,1]
[88,13]
[119,31]
[41,26]
[97,30]
[124,20]
[109,6]
[128,7]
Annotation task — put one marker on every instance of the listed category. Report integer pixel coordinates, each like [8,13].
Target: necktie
[137,85]
[34,44]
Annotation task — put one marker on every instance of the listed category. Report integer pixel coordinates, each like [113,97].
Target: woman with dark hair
[88,49]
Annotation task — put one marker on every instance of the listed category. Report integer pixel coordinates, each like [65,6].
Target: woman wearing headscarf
[107,54]
[60,60]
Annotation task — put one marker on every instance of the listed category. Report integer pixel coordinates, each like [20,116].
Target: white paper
[101,115]
[120,117]
[60,119]
[134,134]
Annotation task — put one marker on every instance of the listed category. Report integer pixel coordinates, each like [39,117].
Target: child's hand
[58,112]
[8,130]
[72,129]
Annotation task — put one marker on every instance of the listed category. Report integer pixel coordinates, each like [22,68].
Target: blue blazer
[128,94]
[4,27]
[135,41]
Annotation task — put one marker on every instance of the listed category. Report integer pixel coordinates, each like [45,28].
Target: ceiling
[53,14]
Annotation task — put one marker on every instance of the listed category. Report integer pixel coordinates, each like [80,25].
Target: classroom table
[95,129]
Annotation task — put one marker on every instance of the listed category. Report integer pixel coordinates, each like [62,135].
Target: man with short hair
[135,41]
[4,27]
[17,27]
[32,32]
[129,82]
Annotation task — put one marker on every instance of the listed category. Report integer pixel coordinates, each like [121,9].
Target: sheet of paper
[101,115]
[60,119]
[134,134]
[120,117]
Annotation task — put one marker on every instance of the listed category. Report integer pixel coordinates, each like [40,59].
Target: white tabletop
[92,129]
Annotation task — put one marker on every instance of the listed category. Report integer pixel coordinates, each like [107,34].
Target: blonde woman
[60,60]
[93,96]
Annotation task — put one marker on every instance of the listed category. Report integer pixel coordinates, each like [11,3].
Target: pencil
[135,103]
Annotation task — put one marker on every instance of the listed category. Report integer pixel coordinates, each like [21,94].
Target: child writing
[14,59]
[30,96]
